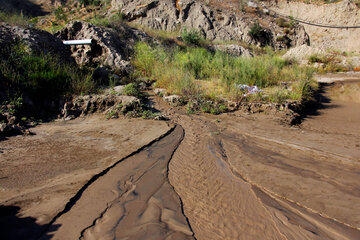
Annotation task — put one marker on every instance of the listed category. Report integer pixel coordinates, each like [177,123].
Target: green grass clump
[132,90]
[14,18]
[195,71]
[104,21]
[60,14]
[330,62]
[42,77]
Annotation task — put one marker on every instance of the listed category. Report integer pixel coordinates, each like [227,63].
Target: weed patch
[42,78]
[196,73]
[13,18]
[132,90]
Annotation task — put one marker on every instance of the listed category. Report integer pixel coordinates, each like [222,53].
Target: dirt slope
[344,13]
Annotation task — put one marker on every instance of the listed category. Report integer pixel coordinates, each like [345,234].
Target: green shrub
[100,21]
[41,76]
[255,30]
[281,22]
[191,37]
[112,114]
[13,105]
[145,59]
[315,58]
[131,90]
[147,114]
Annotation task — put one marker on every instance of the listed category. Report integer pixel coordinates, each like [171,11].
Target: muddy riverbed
[232,176]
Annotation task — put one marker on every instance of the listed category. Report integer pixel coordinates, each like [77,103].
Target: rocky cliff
[213,24]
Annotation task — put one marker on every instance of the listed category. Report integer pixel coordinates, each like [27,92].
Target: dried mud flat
[233,176]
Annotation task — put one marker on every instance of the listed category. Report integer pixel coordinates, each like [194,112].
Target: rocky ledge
[213,24]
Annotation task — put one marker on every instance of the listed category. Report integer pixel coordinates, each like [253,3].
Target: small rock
[142,85]
[159,91]
[3,127]
[318,65]
[173,99]
[70,117]
[11,119]
[119,89]
[252,4]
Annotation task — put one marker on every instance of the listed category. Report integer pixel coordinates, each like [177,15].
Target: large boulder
[302,53]
[212,24]
[37,41]
[111,48]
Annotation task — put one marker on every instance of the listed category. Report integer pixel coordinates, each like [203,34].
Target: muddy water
[247,177]
[133,200]
[232,176]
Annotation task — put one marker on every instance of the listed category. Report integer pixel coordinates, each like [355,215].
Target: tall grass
[198,71]
[14,18]
[43,77]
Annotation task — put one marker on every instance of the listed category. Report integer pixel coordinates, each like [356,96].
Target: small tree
[191,37]
[255,31]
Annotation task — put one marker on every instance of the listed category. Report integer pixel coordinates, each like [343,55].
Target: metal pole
[78,42]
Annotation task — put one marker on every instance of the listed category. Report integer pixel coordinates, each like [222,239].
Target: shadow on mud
[15,227]
[319,102]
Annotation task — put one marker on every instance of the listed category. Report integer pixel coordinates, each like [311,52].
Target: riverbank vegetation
[194,71]
[14,18]
[41,79]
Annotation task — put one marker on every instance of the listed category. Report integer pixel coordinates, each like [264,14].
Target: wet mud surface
[232,176]
[39,174]
[248,177]
[133,200]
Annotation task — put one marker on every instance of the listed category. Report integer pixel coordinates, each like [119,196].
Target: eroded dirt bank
[342,13]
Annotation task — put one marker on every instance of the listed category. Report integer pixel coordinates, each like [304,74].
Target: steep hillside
[343,13]
[251,24]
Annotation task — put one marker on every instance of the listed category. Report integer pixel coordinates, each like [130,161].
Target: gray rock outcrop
[38,41]
[111,48]
[213,24]
[302,53]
